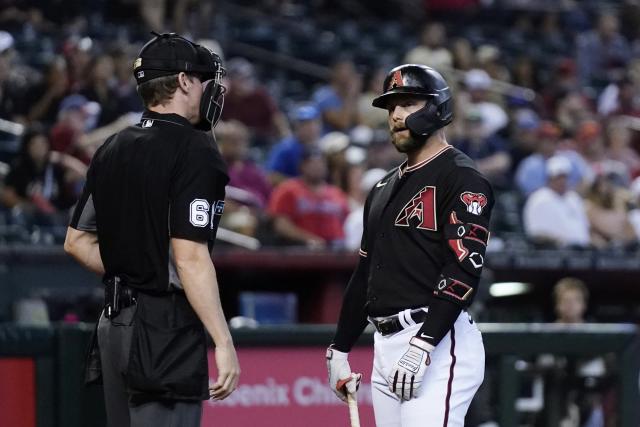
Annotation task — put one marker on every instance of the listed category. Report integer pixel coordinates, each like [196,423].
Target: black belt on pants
[117,296]
[391,324]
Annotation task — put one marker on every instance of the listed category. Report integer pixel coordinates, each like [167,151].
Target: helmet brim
[382,100]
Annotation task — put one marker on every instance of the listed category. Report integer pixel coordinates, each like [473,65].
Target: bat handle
[354,416]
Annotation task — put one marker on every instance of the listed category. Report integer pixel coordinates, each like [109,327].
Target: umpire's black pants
[114,339]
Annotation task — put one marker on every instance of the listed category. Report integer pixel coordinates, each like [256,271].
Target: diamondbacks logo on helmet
[423,207]
[475,202]
[396,80]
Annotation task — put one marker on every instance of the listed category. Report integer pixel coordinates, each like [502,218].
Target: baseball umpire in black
[146,222]
[423,246]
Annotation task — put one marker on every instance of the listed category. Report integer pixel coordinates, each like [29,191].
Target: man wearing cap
[422,251]
[554,214]
[284,158]
[146,222]
[307,210]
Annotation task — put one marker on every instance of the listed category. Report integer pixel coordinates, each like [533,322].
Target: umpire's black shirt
[146,184]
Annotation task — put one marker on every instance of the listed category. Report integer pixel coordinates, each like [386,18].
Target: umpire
[146,222]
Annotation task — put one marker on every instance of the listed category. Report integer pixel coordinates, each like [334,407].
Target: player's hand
[341,379]
[406,378]
[228,372]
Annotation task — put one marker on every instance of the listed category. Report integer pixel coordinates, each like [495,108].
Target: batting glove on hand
[341,379]
[406,378]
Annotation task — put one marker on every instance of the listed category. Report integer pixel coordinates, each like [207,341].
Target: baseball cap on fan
[557,166]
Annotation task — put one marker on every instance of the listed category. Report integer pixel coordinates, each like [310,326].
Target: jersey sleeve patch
[454,290]
[475,202]
[468,241]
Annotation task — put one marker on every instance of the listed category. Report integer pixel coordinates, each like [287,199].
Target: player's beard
[405,141]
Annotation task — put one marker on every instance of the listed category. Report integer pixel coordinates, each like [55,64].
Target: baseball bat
[354,416]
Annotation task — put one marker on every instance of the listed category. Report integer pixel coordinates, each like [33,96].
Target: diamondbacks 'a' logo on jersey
[422,207]
[475,202]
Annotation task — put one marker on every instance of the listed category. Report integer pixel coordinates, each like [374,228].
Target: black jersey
[424,241]
[146,184]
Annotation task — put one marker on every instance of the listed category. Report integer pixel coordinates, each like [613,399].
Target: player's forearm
[83,247]
[198,277]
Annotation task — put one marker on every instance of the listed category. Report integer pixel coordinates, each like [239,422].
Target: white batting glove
[406,378]
[341,379]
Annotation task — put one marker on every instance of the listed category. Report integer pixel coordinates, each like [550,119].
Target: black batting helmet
[423,82]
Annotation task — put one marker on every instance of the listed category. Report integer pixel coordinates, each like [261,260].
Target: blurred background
[547,100]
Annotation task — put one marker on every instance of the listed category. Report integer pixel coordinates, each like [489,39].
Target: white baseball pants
[450,382]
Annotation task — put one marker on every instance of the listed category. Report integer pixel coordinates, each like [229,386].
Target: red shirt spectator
[306,209]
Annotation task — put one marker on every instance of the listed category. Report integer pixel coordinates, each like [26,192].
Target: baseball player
[423,245]
[146,222]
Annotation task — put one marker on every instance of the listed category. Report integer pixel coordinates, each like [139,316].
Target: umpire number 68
[199,213]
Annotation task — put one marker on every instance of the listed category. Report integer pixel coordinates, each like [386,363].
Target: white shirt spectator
[560,217]
[354,224]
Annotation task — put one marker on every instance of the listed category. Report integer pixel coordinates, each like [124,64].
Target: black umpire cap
[169,53]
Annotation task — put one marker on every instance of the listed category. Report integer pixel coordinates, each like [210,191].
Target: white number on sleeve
[199,213]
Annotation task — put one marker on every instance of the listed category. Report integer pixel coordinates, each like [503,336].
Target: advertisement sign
[17,392]
[288,387]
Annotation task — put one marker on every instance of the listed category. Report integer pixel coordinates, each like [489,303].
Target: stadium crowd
[549,110]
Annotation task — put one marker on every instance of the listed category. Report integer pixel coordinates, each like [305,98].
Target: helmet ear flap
[429,118]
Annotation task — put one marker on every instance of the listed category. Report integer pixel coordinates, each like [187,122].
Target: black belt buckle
[112,297]
[387,326]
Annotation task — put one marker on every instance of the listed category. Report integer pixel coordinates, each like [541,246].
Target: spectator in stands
[554,215]
[599,49]
[285,156]
[620,98]
[43,100]
[100,89]
[124,85]
[590,144]
[307,210]
[251,104]
[494,118]
[618,141]
[490,60]
[463,58]
[570,299]
[488,151]
[375,118]
[584,391]
[333,146]
[338,101]
[41,184]
[77,115]
[572,110]
[607,211]
[432,50]
[551,37]
[244,174]
[532,174]
[12,86]
[634,214]
[354,224]
[523,137]
[79,52]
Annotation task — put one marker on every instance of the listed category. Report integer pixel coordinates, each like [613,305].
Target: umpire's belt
[117,296]
[392,324]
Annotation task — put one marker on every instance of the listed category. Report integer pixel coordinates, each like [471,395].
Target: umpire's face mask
[212,99]
[211,105]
